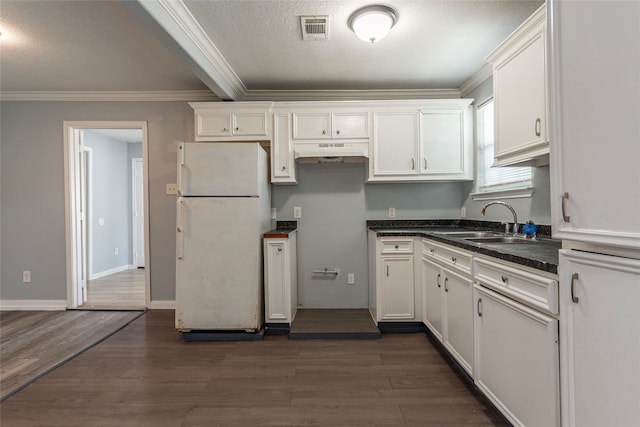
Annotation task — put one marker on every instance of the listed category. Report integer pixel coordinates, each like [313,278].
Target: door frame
[72,142]
[134,202]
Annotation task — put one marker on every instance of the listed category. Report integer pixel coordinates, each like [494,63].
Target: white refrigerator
[223,209]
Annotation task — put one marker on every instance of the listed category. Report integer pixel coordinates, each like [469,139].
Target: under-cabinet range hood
[357,152]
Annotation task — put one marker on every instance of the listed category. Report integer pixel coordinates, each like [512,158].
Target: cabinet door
[253,124]
[282,163]
[600,325]
[350,125]
[311,125]
[517,360]
[276,295]
[595,178]
[397,296]
[213,124]
[442,143]
[458,329]
[432,295]
[520,93]
[395,143]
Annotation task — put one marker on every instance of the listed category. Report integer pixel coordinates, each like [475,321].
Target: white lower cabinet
[600,326]
[280,279]
[448,310]
[516,358]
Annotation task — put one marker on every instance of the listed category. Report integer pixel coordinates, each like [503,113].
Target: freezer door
[219,284]
[221,169]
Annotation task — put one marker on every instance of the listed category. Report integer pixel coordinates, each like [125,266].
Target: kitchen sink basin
[469,234]
[502,239]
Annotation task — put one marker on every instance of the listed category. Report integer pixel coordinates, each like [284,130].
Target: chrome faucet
[515,216]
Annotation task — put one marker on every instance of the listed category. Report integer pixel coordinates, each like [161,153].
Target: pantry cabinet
[520,95]
[220,122]
[600,352]
[595,179]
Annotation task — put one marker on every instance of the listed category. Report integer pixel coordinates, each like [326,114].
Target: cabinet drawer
[452,258]
[531,289]
[396,246]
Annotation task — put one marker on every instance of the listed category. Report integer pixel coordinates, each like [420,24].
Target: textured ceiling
[434,45]
[92,45]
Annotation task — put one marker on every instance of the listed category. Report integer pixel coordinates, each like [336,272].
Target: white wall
[32,196]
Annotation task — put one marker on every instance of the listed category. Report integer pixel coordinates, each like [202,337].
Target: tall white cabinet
[595,187]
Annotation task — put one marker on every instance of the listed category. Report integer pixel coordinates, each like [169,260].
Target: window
[492,179]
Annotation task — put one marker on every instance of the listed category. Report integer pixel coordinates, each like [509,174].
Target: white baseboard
[162,305]
[106,273]
[32,305]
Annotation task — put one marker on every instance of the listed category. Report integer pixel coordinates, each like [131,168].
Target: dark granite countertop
[282,230]
[541,254]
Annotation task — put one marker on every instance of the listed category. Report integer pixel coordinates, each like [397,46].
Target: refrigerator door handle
[179,229]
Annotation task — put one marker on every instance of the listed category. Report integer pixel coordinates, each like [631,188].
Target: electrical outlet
[172,189]
[116,251]
[351,280]
[297,212]
[26,276]
[274,213]
[463,212]
[392,212]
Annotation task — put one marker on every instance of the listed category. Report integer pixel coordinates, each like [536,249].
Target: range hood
[355,152]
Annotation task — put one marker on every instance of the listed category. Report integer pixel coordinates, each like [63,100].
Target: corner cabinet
[280,279]
[425,141]
[520,95]
[220,121]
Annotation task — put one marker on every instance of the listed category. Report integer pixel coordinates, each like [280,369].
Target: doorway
[107,215]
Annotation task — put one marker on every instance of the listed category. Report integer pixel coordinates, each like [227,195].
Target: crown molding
[476,80]
[148,96]
[351,95]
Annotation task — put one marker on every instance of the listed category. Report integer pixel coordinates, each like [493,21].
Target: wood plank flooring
[34,342]
[333,323]
[120,291]
[145,376]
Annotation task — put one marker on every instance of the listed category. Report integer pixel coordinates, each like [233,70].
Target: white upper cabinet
[425,141]
[595,72]
[283,169]
[327,125]
[218,121]
[520,95]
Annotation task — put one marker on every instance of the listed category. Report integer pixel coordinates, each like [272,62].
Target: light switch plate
[297,212]
[274,213]
[392,212]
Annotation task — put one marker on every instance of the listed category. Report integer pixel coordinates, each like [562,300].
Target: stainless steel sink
[469,234]
[503,239]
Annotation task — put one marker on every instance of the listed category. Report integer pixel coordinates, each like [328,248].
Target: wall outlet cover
[392,212]
[297,212]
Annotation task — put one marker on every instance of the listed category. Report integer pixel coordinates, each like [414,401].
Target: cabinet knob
[337,132]
[453,259]
[432,250]
[324,132]
[224,129]
[396,246]
[505,279]
[237,128]
[279,249]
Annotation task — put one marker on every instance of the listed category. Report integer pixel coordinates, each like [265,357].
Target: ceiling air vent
[315,27]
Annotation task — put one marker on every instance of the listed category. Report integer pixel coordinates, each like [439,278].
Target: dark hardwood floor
[145,376]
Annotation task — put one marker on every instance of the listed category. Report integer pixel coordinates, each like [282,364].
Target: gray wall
[33,212]
[110,202]
[335,205]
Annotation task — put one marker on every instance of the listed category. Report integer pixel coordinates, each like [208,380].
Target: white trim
[162,305]
[70,166]
[150,96]
[134,162]
[476,80]
[511,193]
[32,305]
[111,271]
[342,95]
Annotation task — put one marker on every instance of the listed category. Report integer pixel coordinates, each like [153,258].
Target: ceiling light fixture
[372,23]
